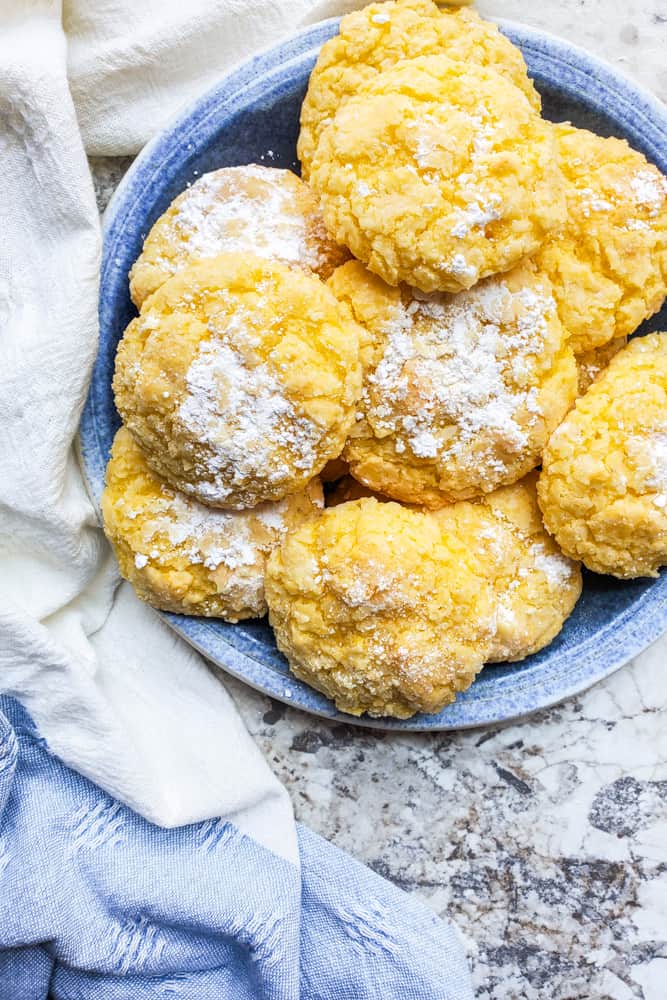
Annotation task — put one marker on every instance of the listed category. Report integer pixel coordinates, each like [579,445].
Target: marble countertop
[544,840]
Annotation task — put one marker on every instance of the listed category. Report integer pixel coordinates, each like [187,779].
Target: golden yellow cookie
[379,608]
[591,363]
[437,173]
[376,38]
[239,379]
[461,392]
[603,486]
[183,557]
[536,586]
[244,210]
[609,266]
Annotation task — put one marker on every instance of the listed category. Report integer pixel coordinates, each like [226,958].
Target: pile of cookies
[437,310]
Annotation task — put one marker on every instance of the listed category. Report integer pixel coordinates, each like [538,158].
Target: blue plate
[252,116]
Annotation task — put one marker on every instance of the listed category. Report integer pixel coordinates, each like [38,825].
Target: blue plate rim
[602,653]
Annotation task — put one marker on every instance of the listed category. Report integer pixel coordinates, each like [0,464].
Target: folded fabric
[96,902]
[132,64]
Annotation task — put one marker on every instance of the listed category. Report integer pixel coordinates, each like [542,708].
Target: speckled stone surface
[629,34]
[546,840]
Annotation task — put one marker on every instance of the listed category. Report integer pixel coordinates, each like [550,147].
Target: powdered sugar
[556,567]
[272,515]
[213,538]
[477,215]
[427,130]
[423,442]
[591,202]
[644,189]
[497,540]
[221,212]
[650,453]
[375,586]
[460,268]
[650,190]
[238,412]
[455,381]
[480,206]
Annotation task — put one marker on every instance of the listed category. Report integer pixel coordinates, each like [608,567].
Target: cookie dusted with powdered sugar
[460,391]
[392,610]
[376,38]
[239,380]
[183,557]
[375,606]
[438,173]
[603,485]
[251,209]
[536,587]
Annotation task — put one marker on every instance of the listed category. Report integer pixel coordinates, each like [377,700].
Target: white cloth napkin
[116,695]
[131,65]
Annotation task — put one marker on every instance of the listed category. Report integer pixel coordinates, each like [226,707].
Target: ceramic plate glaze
[252,116]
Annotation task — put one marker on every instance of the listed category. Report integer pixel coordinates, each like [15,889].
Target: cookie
[239,380]
[376,38]
[245,210]
[374,606]
[186,558]
[536,587]
[461,392]
[603,485]
[609,265]
[438,174]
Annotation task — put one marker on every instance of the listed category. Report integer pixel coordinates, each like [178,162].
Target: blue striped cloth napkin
[96,903]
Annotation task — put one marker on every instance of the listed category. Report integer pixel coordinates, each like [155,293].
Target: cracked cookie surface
[438,173]
[603,485]
[376,38]
[239,379]
[186,558]
[460,391]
